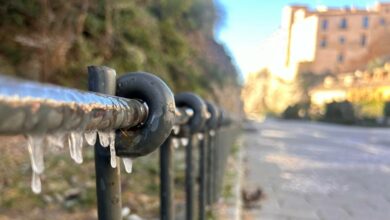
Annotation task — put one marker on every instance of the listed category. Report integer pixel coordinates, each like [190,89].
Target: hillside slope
[54,41]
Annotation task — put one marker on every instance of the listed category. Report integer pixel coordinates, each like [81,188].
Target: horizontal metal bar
[30,107]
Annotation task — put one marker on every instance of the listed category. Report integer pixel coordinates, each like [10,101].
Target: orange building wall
[305,34]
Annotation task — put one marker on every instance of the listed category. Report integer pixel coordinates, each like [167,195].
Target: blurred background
[311,60]
[322,60]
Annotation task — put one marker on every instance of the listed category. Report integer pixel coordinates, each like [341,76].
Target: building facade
[330,40]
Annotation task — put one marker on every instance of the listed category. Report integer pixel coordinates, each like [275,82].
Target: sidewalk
[311,171]
[230,206]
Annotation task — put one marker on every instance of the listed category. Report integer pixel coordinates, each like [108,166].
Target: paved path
[319,171]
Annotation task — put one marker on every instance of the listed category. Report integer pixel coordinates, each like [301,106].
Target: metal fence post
[166,178]
[189,179]
[209,168]
[202,175]
[195,125]
[216,158]
[108,189]
[210,159]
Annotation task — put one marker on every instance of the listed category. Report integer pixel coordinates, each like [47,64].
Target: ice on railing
[104,138]
[112,149]
[184,141]
[35,149]
[32,108]
[90,137]
[36,183]
[75,143]
[175,143]
[128,164]
[55,140]
[54,116]
[176,129]
[75,140]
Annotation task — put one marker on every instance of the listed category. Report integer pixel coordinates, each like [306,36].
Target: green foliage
[340,112]
[296,111]
[56,40]
[370,109]
[386,109]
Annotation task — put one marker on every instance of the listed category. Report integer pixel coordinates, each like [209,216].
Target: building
[333,40]
[368,90]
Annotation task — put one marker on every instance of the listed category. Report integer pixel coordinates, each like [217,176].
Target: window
[365,22]
[342,39]
[363,40]
[324,25]
[382,21]
[323,43]
[340,58]
[343,23]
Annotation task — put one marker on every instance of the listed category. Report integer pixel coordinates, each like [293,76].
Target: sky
[248,23]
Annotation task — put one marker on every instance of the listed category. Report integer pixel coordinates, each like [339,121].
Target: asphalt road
[318,171]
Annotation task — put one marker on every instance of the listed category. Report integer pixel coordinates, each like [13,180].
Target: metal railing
[140,114]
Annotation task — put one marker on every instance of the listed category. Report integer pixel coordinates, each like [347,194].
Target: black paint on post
[189,180]
[166,178]
[103,80]
[213,167]
[209,166]
[202,176]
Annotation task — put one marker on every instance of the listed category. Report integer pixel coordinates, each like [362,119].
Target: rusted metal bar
[30,107]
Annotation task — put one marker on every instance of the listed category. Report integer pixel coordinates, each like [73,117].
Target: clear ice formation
[35,149]
[75,142]
[112,149]
[55,140]
[36,183]
[104,138]
[176,129]
[90,137]
[184,141]
[175,143]
[128,164]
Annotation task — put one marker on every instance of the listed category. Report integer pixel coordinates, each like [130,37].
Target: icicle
[55,140]
[112,149]
[176,129]
[184,141]
[128,163]
[35,149]
[75,141]
[36,185]
[104,138]
[175,143]
[90,137]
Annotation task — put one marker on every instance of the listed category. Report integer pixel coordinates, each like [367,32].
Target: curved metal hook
[157,127]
